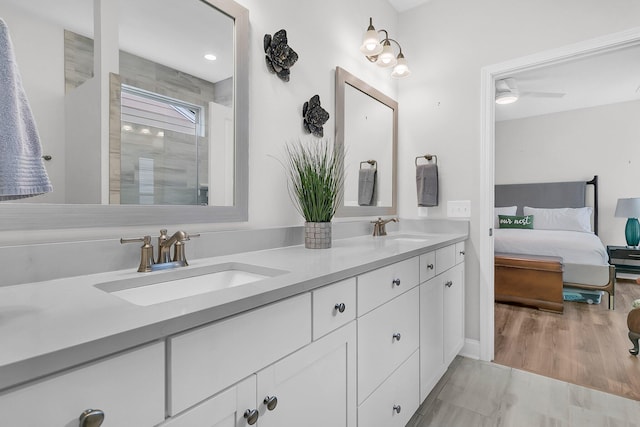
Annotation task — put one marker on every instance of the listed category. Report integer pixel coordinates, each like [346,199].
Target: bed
[563,226]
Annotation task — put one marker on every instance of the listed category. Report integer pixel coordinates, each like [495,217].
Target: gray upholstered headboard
[548,195]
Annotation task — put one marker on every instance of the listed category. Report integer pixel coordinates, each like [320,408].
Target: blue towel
[22,171]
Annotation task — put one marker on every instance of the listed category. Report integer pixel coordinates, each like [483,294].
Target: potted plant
[316,179]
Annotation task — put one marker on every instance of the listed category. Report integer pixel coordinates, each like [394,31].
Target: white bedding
[573,246]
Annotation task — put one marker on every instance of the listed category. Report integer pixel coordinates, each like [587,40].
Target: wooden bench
[529,280]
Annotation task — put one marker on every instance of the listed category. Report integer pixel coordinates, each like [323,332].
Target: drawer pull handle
[340,307]
[397,336]
[251,415]
[397,408]
[429,266]
[448,284]
[396,282]
[91,418]
[271,402]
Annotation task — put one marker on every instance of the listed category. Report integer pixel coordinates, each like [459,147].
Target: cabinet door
[453,312]
[431,335]
[128,388]
[315,386]
[226,409]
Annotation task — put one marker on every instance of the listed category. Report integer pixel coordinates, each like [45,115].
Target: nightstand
[626,260]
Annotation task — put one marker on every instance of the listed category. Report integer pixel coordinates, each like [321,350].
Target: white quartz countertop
[53,325]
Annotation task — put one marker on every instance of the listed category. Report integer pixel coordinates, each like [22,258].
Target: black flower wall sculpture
[279,55]
[314,116]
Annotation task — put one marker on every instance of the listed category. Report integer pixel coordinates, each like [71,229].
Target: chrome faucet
[379,228]
[165,243]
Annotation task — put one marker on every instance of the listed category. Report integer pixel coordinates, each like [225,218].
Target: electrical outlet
[459,208]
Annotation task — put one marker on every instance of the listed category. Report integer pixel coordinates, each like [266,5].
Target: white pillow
[507,210]
[571,219]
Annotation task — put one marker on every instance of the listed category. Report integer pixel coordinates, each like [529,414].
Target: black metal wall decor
[279,55]
[314,116]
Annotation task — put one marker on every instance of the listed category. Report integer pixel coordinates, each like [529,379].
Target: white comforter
[573,246]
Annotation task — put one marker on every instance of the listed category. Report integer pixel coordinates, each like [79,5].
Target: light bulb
[386,58]
[401,69]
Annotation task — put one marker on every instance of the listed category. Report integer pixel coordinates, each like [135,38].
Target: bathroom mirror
[80,140]
[367,132]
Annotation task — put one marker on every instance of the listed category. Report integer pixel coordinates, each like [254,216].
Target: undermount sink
[163,286]
[409,238]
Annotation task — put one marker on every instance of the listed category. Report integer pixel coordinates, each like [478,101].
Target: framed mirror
[367,132]
[147,121]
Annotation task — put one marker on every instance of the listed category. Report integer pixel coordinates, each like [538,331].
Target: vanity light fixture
[381,51]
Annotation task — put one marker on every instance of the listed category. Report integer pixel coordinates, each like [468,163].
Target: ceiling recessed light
[210,57]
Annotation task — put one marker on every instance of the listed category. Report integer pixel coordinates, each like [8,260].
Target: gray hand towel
[22,171]
[367,186]
[427,184]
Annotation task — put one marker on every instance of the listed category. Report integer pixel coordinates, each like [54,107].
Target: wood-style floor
[587,345]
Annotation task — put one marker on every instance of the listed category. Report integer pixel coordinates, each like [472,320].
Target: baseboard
[471,349]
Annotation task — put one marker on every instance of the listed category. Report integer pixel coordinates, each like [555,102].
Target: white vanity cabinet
[441,313]
[128,388]
[206,360]
[388,336]
[313,387]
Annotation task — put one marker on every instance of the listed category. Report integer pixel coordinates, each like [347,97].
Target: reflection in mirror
[133,113]
[366,129]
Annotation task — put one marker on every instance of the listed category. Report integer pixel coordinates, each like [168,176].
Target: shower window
[163,158]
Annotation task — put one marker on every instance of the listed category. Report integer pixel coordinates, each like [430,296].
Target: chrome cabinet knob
[340,307]
[448,284]
[397,408]
[91,418]
[396,282]
[429,266]
[251,415]
[462,253]
[271,402]
[397,336]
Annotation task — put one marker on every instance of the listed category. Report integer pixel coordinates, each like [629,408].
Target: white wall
[573,145]
[447,42]
[325,35]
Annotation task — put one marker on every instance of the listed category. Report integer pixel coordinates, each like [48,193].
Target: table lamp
[630,209]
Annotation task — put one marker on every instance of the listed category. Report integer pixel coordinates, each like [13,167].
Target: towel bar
[373,163]
[429,157]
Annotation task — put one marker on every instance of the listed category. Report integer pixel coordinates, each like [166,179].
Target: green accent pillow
[508,221]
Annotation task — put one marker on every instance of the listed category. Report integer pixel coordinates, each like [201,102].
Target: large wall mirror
[141,127]
[367,132]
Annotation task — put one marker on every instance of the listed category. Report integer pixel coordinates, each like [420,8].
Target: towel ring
[373,163]
[429,157]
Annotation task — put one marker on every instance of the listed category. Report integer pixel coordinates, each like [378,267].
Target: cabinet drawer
[394,403]
[427,266]
[333,306]
[128,388]
[379,352]
[379,286]
[445,258]
[459,252]
[210,358]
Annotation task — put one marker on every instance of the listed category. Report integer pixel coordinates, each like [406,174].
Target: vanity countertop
[53,325]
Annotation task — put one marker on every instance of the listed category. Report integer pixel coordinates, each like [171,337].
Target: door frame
[489,75]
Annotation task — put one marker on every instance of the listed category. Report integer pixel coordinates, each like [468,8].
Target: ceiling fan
[507,92]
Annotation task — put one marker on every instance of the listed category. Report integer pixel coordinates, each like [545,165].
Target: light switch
[459,208]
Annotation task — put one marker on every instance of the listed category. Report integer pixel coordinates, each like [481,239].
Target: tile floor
[482,394]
